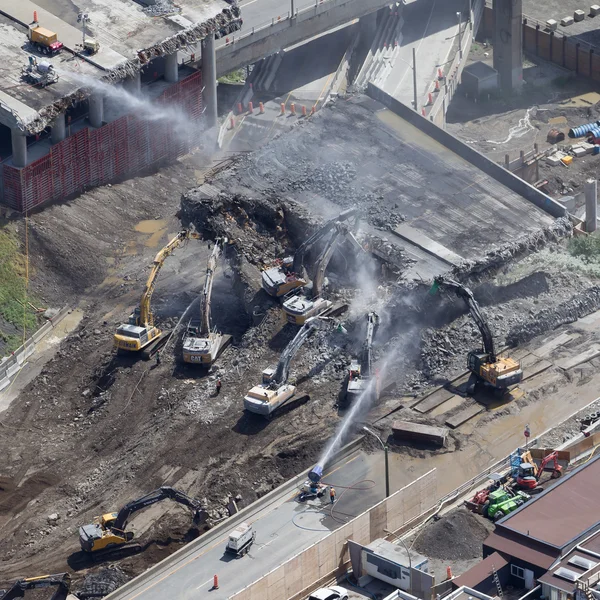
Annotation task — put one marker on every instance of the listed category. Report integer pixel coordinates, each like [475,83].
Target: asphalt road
[282,530]
[431,27]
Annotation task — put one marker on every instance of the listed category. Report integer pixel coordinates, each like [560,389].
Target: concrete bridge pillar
[171,68]
[96,114]
[19,147]
[133,84]
[508,43]
[209,80]
[59,129]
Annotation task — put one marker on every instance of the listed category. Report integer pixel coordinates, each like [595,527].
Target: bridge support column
[96,114]
[19,147]
[508,43]
[59,129]
[171,68]
[209,80]
[133,84]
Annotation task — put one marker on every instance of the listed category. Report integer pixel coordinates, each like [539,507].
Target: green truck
[500,502]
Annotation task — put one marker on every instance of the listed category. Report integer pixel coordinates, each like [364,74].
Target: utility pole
[459,16]
[471,14]
[415,79]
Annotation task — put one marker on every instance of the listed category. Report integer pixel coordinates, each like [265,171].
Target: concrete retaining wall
[311,21]
[328,558]
[471,155]
[14,362]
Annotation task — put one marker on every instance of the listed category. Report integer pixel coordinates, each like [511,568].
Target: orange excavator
[529,474]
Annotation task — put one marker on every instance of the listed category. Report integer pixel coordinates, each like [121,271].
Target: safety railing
[319,6]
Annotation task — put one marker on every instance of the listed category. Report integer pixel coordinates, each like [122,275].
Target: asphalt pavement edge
[245,514]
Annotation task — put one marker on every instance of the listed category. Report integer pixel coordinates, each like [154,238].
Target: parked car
[335,592]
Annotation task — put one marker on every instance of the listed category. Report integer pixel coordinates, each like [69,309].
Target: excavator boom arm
[467,296]
[158,495]
[321,265]
[207,291]
[283,366]
[145,312]
[366,362]
[315,237]
[62,580]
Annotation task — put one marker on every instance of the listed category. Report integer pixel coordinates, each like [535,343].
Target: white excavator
[275,391]
[202,345]
[289,273]
[309,302]
[361,376]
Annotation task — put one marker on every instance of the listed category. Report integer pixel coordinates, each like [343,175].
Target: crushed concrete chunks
[594,10]
[578,15]
[552,24]
[567,21]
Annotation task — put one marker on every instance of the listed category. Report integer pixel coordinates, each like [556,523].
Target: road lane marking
[217,543]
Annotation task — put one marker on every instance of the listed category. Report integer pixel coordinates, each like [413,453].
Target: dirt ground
[551,97]
[96,430]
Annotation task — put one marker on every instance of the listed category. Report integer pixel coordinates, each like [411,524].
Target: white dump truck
[241,539]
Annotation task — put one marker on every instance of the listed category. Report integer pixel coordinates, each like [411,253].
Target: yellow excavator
[488,368]
[107,535]
[62,582]
[140,333]
[201,344]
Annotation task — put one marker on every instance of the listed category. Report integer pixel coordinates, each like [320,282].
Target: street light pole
[292,13]
[415,78]
[459,16]
[387,470]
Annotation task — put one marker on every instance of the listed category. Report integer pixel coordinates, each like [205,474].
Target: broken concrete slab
[406,232]
[433,400]
[554,343]
[464,415]
[405,430]
[568,363]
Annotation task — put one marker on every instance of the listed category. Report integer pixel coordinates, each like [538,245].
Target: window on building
[517,571]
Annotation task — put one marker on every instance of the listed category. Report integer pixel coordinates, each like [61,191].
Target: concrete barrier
[13,364]
[250,47]
[328,558]
[506,178]
[243,515]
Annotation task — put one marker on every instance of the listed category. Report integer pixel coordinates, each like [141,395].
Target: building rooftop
[130,35]
[562,514]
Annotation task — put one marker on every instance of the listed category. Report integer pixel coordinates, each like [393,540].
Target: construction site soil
[96,430]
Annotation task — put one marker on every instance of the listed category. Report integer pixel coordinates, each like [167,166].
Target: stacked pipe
[577,132]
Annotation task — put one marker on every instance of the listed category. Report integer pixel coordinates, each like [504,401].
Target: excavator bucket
[434,288]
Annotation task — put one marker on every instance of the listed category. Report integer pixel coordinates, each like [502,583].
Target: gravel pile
[102,583]
[458,535]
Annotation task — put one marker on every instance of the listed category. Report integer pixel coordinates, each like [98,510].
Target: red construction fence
[94,157]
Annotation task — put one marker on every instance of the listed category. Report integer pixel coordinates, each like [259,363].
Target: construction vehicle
[201,344]
[360,376]
[140,333]
[275,391]
[500,502]
[528,477]
[107,534]
[43,39]
[289,273]
[62,581]
[498,372]
[39,73]
[302,304]
[241,539]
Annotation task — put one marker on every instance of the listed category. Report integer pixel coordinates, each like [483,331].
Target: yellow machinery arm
[146,318]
